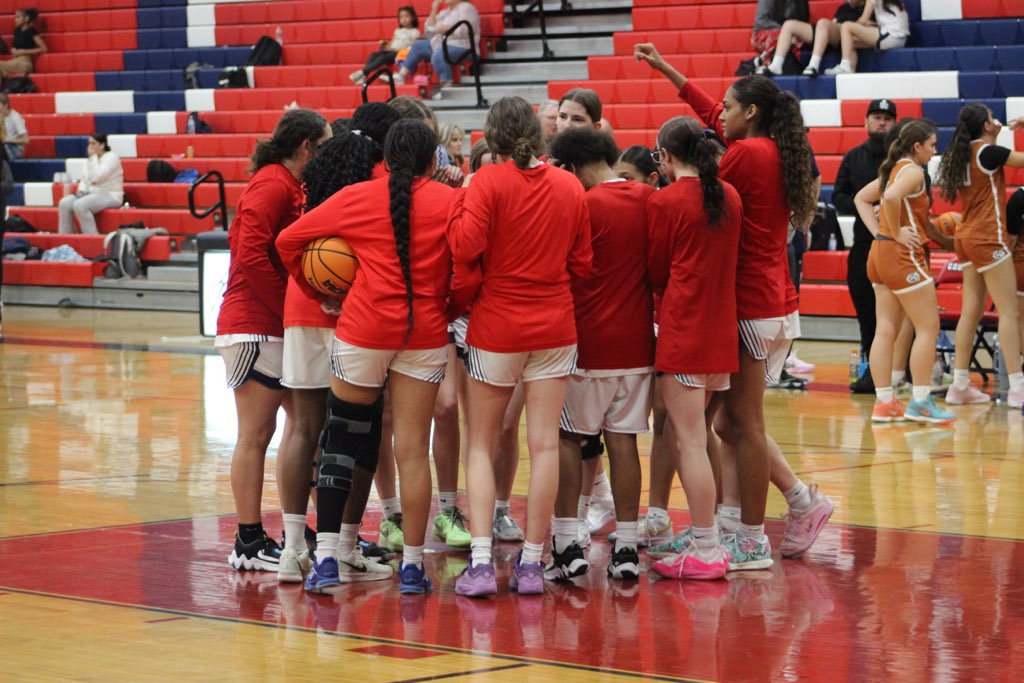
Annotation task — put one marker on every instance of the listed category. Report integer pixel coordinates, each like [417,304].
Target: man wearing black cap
[859,167]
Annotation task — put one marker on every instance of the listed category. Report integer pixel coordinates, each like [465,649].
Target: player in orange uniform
[898,268]
[972,167]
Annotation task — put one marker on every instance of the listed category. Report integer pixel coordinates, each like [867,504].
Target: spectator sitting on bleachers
[438,23]
[768,21]
[890,29]
[25,44]
[101,188]
[404,36]
[824,35]
[13,133]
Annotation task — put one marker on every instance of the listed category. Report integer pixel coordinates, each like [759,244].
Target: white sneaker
[293,566]
[838,69]
[583,534]
[1015,399]
[398,78]
[353,567]
[601,513]
[967,396]
[794,364]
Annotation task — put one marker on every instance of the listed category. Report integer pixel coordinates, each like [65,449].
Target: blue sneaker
[928,411]
[413,579]
[323,575]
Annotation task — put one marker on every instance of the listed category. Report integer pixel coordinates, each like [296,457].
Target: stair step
[520,72]
[530,48]
[176,274]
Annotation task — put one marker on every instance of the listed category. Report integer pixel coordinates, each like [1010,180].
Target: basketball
[329,265]
[948,222]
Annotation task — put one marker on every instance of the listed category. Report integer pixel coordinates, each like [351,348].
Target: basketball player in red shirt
[250,327]
[768,162]
[524,225]
[393,329]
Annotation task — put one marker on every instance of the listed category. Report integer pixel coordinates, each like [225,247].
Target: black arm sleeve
[1015,212]
[993,157]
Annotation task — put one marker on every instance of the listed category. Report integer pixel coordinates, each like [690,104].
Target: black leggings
[861,292]
[378,59]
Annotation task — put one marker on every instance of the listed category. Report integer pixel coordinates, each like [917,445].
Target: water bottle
[190,125]
[832,244]
[1002,384]
[855,365]
[279,36]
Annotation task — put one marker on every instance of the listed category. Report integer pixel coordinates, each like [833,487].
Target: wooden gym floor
[116,434]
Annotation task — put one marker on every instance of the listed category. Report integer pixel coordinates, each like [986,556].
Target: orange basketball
[329,265]
[948,223]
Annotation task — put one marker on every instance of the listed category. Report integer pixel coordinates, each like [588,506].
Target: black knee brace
[592,447]
[345,438]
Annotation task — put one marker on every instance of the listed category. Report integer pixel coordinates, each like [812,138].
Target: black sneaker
[310,537]
[263,554]
[863,385]
[373,552]
[788,381]
[567,564]
[625,564]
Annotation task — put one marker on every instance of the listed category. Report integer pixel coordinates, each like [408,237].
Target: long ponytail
[408,150]
[953,169]
[684,137]
[294,128]
[779,117]
[908,133]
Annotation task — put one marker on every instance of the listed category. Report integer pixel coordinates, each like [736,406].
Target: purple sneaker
[527,577]
[477,581]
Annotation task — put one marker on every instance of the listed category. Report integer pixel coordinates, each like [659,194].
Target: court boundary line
[446,649]
[108,346]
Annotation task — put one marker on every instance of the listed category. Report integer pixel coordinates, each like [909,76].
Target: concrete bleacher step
[529,47]
[519,72]
[578,5]
[460,96]
[177,273]
[573,23]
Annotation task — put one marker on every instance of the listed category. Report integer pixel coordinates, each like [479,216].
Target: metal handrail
[474,58]
[221,205]
[518,16]
[379,73]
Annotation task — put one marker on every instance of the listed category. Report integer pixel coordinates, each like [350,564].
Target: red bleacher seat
[45,273]
[176,221]
[232,168]
[157,248]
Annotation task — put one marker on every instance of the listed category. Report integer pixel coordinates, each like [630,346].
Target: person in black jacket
[860,167]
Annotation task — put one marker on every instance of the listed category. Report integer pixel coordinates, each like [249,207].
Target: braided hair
[684,137]
[512,129]
[294,128]
[373,120]
[953,170]
[409,151]
[343,160]
[779,117]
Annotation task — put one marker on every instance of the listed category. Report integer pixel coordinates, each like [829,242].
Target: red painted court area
[863,605]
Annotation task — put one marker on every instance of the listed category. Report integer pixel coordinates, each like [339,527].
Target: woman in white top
[404,36]
[438,23]
[890,29]
[102,187]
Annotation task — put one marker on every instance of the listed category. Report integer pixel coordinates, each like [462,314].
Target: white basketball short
[769,340]
[307,357]
[459,327]
[506,369]
[251,356]
[616,403]
[370,367]
[713,382]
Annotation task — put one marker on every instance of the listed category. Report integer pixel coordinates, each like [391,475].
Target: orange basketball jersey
[982,198]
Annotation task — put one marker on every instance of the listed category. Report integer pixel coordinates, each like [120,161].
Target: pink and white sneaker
[694,564]
[802,528]
[800,367]
[1015,398]
[967,396]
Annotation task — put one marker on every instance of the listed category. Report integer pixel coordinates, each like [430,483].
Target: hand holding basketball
[948,222]
[329,265]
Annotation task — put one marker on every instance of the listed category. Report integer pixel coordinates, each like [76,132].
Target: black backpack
[16,223]
[159,171]
[825,226]
[266,52]
[233,77]
[19,85]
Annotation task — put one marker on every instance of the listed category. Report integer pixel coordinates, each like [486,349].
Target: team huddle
[557,279]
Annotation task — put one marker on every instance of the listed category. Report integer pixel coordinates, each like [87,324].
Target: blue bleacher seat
[172,79]
[17,197]
[220,57]
[999,32]
[1009,57]
[945,112]
[71,145]
[163,37]
[977,85]
[160,100]
[36,171]
[925,34]
[1011,83]
[975,58]
[826,193]
[889,60]
[958,33]
[162,3]
[122,123]
[913,8]
[162,17]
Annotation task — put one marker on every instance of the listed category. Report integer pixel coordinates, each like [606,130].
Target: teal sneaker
[928,411]
[450,527]
[674,546]
[391,535]
[748,553]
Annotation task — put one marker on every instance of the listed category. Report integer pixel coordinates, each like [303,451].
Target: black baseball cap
[884,106]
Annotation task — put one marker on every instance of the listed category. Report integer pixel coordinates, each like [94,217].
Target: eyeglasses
[656,155]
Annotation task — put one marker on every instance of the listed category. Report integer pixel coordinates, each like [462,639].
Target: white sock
[961,379]
[658,516]
[565,529]
[294,532]
[883,394]
[898,377]
[799,497]
[754,531]
[392,506]
[728,519]
[776,66]
[602,489]
[501,505]
[412,554]
[922,393]
[625,535]
[583,508]
[446,500]
[1016,380]
[347,538]
[815,62]
[480,550]
[532,551]
[326,546]
[705,538]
